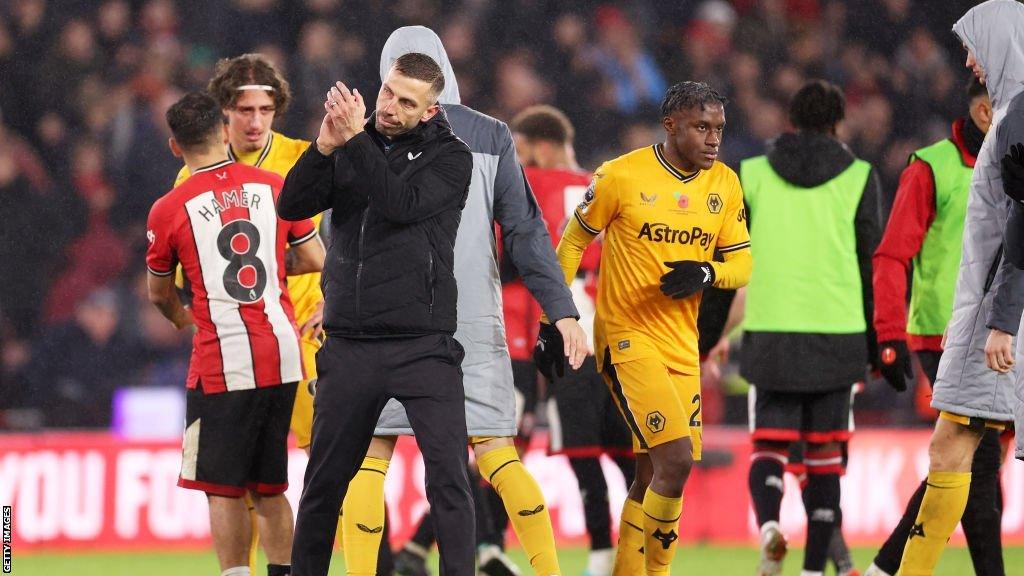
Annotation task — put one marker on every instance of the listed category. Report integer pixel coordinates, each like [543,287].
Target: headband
[256,87]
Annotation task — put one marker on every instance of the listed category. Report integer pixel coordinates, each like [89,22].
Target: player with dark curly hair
[664,210]
[813,210]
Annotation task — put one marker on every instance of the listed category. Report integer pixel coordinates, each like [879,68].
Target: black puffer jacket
[397,206]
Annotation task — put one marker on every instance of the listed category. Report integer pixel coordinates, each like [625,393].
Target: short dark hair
[248,70]
[193,119]
[421,67]
[975,88]
[544,123]
[817,107]
[690,94]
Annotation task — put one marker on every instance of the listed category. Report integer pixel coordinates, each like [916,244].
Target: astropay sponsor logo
[660,232]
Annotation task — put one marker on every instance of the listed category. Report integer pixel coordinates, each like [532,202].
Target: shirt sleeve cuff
[306,238]
[155,272]
[562,308]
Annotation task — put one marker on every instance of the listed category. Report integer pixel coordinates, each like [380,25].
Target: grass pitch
[691,560]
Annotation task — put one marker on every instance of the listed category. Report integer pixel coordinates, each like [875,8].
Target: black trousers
[356,377]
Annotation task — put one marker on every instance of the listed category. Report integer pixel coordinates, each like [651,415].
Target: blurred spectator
[84,86]
[98,256]
[626,64]
[28,239]
[317,66]
[76,367]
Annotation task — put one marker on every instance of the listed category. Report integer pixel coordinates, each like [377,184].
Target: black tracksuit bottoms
[355,378]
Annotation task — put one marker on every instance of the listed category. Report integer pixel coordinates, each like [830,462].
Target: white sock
[236,571]
[875,571]
[599,562]
[811,573]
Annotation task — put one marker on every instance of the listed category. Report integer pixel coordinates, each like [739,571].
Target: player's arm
[305,257]
[525,237]
[913,212]
[575,239]
[599,207]
[1008,284]
[163,295]
[564,339]
[309,187]
[162,262]
[867,224]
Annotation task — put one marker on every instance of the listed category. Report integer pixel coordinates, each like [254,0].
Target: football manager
[397,184]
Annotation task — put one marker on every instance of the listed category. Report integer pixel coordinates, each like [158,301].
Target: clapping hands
[346,114]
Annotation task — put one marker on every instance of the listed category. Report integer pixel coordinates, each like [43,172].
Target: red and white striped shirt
[221,224]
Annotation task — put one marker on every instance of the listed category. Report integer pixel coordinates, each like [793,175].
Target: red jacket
[913,212]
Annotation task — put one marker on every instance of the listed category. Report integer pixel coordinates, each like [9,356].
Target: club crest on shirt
[714,203]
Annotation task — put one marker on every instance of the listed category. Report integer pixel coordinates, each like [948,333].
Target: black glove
[549,352]
[894,363]
[686,278]
[1013,172]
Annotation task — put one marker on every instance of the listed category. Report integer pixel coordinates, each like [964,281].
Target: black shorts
[583,421]
[237,441]
[815,417]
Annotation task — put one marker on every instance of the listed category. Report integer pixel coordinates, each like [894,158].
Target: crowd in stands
[83,143]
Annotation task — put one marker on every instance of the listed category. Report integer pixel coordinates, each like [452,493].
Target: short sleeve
[734,234]
[161,258]
[301,231]
[600,203]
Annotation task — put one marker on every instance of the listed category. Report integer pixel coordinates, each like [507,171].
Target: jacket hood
[421,39]
[994,32]
[807,159]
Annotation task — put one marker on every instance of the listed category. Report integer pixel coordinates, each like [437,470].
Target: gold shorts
[302,412]
[972,421]
[658,403]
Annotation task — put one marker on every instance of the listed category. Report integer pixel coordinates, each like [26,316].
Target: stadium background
[83,88]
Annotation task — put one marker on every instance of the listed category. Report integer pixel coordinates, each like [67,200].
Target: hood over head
[808,159]
[994,32]
[408,39]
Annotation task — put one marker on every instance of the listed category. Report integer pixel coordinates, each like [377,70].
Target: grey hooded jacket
[498,192]
[989,290]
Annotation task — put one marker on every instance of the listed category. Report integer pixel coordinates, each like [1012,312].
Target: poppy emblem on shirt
[682,200]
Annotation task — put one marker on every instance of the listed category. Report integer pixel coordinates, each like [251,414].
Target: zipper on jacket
[359,268]
[430,268]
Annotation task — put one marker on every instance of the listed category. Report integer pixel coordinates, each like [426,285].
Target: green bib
[806,277]
[937,264]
